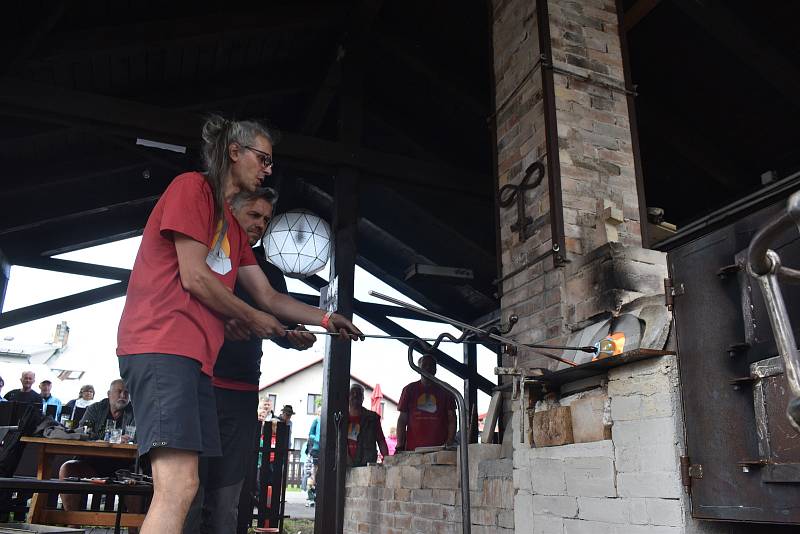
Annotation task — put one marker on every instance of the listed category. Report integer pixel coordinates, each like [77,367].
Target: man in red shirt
[180,295]
[427,412]
[363,431]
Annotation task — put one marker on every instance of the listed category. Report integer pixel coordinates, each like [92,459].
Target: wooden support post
[471,392]
[329,516]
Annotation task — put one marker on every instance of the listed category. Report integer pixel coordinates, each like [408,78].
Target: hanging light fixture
[298,242]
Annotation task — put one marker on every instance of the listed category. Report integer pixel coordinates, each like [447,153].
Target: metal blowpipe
[491,335]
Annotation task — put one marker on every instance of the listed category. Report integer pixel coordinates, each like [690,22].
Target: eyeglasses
[263,157]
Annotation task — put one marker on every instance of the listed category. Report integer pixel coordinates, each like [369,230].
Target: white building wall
[295,390]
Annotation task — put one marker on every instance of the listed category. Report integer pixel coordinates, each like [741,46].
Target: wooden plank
[106,519]
[492,415]
[552,427]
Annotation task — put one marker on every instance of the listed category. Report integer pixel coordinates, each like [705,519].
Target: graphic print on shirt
[426,402]
[353,430]
[219,257]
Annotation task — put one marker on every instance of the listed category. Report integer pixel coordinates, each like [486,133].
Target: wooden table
[48,448]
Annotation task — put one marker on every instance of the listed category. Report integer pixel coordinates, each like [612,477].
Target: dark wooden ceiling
[717,84]
[81,81]
[718,103]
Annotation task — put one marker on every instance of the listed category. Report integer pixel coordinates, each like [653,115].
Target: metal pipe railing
[764,265]
[463,444]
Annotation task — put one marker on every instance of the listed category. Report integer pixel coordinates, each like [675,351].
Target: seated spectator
[363,431]
[117,409]
[427,412]
[26,393]
[48,399]
[85,398]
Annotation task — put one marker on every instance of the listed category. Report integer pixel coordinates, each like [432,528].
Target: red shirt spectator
[427,412]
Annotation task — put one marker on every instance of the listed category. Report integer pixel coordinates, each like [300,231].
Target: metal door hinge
[688,472]
[671,291]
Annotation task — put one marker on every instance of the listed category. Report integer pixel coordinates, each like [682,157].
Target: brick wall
[594,147]
[420,494]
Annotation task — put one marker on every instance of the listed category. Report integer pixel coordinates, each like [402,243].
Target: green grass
[298,526]
[294,489]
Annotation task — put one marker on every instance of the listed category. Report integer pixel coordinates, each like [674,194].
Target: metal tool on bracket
[765,266]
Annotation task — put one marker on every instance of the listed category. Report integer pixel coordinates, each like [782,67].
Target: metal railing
[764,265]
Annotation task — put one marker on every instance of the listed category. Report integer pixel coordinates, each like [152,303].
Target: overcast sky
[93,330]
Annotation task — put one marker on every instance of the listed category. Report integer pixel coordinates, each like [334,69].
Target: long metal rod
[432,339]
[465,326]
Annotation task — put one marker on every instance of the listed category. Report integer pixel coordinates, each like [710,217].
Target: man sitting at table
[117,409]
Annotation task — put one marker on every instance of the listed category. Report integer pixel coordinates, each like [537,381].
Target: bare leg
[175,483]
[74,468]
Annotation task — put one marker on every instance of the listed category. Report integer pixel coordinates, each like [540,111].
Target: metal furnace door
[744,457]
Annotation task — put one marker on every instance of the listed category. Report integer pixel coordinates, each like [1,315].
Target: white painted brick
[526,456]
[638,511]
[558,505]
[522,479]
[605,510]
[544,524]
[665,485]
[579,526]
[523,509]
[645,446]
[651,529]
[547,477]
[505,519]
[590,477]
[668,512]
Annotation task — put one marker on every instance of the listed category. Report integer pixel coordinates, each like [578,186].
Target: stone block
[603,448]
[501,468]
[523,510]
[557,505]
[646,446]
[440,477]
[587,419]
[404,476]
[547,476]
[505,519]
[402,521]
[579,526]
[545,524]
[498,492]
[522,479]
[590,477]
[666,485]
[477,453]
[483,515]
[443,457]
[421,495]
[667,512]
[616,511]
[445,496]
[430,510]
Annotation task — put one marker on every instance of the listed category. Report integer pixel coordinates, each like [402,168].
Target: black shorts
[173,402]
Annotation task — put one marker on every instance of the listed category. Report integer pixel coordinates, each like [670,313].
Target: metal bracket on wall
[511,193]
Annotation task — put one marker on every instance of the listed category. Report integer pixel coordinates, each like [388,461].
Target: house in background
[303,390]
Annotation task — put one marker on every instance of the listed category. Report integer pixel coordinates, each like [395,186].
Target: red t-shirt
[427,408]
[160,315]
[353,430]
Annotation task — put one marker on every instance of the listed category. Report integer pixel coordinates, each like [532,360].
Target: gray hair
[218,134]
[264,193]
[358,387]
[117,381]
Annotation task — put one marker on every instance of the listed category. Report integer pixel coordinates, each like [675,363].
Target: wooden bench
[62,486]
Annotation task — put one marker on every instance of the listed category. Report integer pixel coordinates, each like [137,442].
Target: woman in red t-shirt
[180,306]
